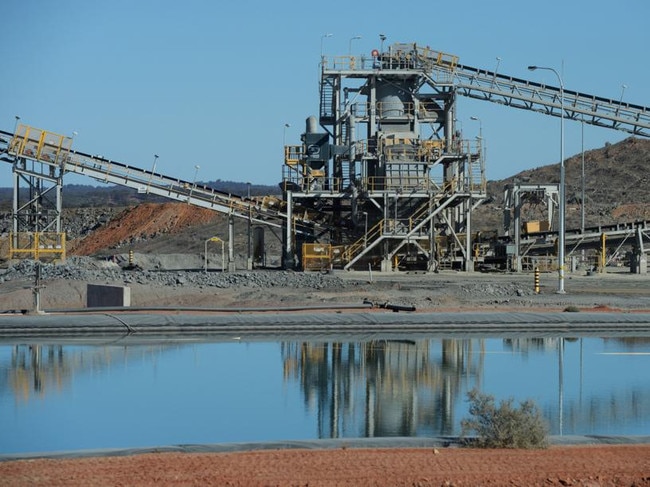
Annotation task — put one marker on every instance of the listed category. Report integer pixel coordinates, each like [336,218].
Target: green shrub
[504,426]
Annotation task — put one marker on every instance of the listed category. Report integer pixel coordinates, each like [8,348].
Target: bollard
[536,280]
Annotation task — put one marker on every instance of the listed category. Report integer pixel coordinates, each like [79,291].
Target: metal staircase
[327,108]
[409,229]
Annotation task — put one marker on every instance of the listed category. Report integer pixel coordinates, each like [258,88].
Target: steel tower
[387,172]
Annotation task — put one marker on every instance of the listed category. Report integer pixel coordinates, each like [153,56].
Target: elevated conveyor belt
[528,95]
[263,211]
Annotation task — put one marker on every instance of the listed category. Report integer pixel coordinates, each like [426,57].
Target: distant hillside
[616,187]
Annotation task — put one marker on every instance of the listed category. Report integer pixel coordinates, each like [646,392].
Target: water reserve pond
[123,394]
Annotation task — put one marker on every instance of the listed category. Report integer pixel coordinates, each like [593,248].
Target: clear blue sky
[213,82]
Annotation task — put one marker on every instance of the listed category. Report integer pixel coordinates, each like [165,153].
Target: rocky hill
[616,187]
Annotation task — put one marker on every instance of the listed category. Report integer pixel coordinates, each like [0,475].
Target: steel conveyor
[528,95]
[112,172]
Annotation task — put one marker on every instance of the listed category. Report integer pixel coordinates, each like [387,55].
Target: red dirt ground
[145,220]
[620,465]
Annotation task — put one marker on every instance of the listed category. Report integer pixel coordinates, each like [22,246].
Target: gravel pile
[91,270]
[77,222]
[505,289]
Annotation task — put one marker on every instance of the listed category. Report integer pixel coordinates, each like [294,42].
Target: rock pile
[77,222]
[91,270]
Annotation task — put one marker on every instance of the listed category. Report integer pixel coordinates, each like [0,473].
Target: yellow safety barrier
[37,245]
[40,145]
[316,257]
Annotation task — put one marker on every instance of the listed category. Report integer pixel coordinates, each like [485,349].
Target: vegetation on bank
[503,426]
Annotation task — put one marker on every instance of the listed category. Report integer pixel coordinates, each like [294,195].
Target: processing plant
[381,179]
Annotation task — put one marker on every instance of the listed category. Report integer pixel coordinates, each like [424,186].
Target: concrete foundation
[98,296]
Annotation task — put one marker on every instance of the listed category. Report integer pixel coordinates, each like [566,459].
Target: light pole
[365,234]
[324,36]
[620,100]
[562,203]
[496,70]
[350,44]
[153,170]
[284,134]
[480,126]
[382,38]
[250,223]
[196,171]
[16,124]
[582,178]
[623,86]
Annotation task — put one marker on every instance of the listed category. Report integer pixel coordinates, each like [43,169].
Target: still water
[87,396]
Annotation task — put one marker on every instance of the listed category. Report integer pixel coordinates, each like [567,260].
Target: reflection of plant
[504,426]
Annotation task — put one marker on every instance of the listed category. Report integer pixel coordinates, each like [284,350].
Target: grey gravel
[92,270]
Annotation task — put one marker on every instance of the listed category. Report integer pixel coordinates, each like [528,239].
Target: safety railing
[399,57]
[39,144]
[293,154]
[392,109]
[352,250]
[37,245]
[400,226]
[412,151]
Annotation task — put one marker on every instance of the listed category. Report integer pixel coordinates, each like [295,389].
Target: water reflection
[316,389]
[389,379]
[35,370]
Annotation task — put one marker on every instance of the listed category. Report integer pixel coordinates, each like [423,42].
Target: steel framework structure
[391,176]
[382,176]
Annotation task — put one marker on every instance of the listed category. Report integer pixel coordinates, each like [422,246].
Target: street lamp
[350,44]
[582,179]
[196,171]
[321,43]
[480,131]
[496,70]
[16,124]
[153,170]
[365,234]
[623,86]
[284,134]
[560,252]
[250,223]
[382,38]
[480,126]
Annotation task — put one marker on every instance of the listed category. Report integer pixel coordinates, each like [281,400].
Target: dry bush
[504,426]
